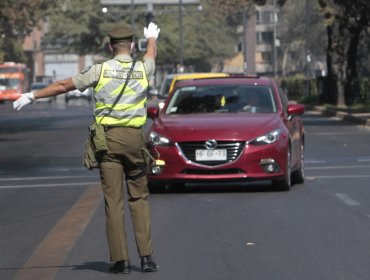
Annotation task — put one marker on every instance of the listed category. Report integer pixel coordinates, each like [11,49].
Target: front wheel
[285,183]
[298,176]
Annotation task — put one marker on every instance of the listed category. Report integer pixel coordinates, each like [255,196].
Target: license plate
[208,155]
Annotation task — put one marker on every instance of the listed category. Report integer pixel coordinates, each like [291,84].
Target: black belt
[108,127]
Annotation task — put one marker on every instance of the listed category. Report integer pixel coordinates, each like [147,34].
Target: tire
[286,183]
[298,175]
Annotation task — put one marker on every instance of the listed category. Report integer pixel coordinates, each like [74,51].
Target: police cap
[121,32]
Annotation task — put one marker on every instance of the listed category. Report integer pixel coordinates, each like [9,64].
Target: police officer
[125,159]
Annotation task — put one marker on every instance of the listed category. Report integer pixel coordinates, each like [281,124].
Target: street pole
[245,53]
[181,39]
[274,38]
[307,51]
[132,14]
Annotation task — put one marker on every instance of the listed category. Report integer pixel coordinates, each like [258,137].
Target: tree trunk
[351,85]
[329,93]
[329,52]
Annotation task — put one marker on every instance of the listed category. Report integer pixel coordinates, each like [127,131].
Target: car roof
[242,80]
[200,75]
[185,76]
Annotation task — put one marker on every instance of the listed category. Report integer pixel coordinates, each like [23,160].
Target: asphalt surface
[52,214]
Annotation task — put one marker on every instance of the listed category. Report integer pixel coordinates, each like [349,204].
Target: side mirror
[142,44]
[295,110]
[153,112]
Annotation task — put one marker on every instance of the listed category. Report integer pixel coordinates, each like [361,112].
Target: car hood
[196,127]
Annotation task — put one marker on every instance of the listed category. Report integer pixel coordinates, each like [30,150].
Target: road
[52,215]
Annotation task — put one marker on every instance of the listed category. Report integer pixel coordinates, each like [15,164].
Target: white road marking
[42,178]
[364,160]
[337,167]
[336,133]
[49,185]
[347,199]
[337,177]
[315,161]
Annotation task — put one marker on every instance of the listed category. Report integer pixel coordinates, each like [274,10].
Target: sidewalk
[358,118]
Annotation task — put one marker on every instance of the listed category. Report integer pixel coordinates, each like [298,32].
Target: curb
[362,119]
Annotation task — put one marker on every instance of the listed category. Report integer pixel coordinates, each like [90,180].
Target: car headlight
[268,138]
[158,140]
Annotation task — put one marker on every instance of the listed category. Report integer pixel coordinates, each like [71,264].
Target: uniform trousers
[125,160]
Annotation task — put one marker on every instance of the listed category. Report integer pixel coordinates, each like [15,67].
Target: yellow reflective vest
[131,108]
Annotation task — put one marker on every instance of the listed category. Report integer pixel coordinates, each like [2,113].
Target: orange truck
[13,80]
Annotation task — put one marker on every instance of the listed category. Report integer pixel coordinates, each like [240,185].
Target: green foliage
[238,5]
[346,22]
[77,26]
[17,18]
[311,91]
[81,27]
[297,38]
[294,87]
[200,50]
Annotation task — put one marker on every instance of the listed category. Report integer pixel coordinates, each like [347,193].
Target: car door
[294,127]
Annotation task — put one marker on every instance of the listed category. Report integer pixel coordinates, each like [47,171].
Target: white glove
[151,31]
[24,100]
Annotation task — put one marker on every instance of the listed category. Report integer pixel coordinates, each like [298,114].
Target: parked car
[76,94]
[40,85]
[231,129]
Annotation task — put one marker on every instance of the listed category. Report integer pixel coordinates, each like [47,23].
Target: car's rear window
[225,99]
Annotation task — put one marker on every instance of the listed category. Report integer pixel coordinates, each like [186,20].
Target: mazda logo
[211,144]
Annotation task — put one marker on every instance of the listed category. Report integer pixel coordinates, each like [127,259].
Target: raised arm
[151,34]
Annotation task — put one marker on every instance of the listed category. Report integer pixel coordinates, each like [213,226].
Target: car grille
[233,151]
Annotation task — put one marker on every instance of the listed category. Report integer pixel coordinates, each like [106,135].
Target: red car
[232,129]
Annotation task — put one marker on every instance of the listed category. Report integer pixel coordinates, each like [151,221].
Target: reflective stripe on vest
[131,108]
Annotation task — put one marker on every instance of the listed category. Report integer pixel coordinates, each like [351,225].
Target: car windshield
[222,99]
[9,83]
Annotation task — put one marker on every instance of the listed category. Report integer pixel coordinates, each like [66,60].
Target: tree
[302,35]
[356,20]
[17,19]
[208,38]
[236,5]
[346,23]
[77,26]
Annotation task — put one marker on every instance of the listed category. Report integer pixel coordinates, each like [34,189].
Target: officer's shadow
[99,266]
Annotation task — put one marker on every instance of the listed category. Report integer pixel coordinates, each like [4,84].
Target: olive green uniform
[124,156]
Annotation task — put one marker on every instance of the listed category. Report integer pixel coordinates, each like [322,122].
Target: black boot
[121,267]
[148,265]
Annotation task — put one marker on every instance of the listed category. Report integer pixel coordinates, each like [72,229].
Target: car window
[9,83]
[165,87]
[221,99]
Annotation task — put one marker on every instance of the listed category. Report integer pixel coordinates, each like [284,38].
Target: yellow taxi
[171,79]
